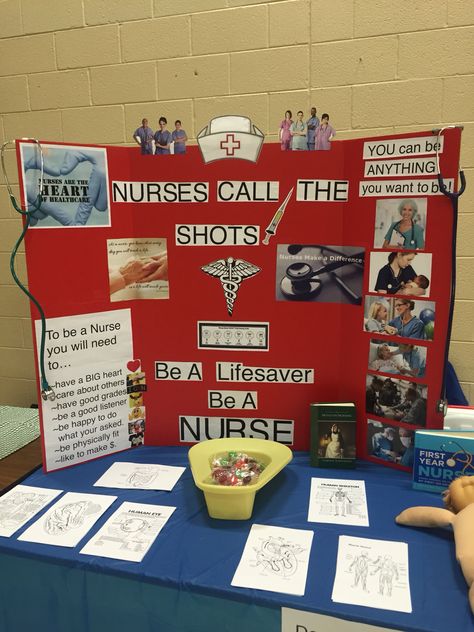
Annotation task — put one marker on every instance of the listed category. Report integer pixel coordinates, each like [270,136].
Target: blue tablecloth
[183,583]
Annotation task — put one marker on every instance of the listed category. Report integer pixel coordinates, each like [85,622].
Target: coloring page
[140,476]
[129,532]
[372,573]
[20,504]
[276,559]
[68,520]
[338,501]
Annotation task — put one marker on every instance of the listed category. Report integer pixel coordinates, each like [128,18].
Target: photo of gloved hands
[75,185]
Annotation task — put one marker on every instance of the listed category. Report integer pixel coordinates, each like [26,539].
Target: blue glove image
[58,163]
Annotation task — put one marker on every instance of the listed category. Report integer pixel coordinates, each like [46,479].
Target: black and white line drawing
[341,502]
[388,571]
[129,532]
[231,273]
[372,573]
[142,477]
[278,556]
[22,503]
[360,564]
[69,516]
[338,501]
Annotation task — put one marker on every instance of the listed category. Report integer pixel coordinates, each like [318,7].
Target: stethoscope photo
[303,282]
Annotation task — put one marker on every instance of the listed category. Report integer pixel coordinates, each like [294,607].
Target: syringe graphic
[271,229]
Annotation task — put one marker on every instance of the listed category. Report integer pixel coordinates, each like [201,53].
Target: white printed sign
[89,416]
[217,235]
[395,147]
[401,188]
[193,429]
[400,168]
[248,191]
[240,400]
[300,621]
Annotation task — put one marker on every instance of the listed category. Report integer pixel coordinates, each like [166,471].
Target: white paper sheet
[129,532]
[86,357]
[293,620]
[338,501]
[275,559]
[68,520]
[20,504]
[140,476]
[372,573]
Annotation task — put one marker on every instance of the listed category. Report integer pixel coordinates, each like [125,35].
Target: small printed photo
[136,414]
[75,189]
[401,273]
[396,399]
[136,433]
[390,443]
[324,274]
[399,317]
[136,382]
[135,400]
[136,426]
[400,223]
[388,356]
[337,440]
[138,269]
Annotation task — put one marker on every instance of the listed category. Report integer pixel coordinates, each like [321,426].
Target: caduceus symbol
[231,272]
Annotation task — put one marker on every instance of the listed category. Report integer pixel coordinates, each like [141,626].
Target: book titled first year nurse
[440,457]
[333,434]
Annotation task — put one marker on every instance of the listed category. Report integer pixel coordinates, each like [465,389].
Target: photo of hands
[74,186]
[138,269]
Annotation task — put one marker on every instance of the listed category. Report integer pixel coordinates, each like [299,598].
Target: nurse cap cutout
[230,137]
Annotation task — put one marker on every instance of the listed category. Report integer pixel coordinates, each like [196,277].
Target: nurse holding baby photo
[395,273]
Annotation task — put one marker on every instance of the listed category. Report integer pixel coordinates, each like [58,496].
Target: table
[183,583]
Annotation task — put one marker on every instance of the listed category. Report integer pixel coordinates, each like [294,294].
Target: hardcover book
[441,456]
[333,434]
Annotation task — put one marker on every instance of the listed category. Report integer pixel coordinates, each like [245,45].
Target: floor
[18,465]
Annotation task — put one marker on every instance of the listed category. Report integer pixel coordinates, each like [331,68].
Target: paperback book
[440,457]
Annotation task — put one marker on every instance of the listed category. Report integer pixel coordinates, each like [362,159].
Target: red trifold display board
[203,295]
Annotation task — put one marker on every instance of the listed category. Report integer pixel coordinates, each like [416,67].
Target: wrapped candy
[235,469]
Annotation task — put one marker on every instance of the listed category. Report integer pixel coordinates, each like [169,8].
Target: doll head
[459,494]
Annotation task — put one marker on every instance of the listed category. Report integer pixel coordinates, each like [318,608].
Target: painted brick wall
[89,70]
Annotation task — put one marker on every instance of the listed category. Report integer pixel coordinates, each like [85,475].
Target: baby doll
[459,514]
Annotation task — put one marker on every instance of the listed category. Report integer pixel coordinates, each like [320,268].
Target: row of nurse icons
[233,336]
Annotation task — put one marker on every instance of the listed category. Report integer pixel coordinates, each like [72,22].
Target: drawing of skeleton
[231,273]
[387,570]
[278,556]
[19,507]
[142,477]
[341,502]
[69,516]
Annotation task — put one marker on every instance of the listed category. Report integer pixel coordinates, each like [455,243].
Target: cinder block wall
[89,70]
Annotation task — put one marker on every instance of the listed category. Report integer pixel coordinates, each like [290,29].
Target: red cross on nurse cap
[230,137]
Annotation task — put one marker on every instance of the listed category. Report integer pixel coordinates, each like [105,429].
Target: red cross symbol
[230,144]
